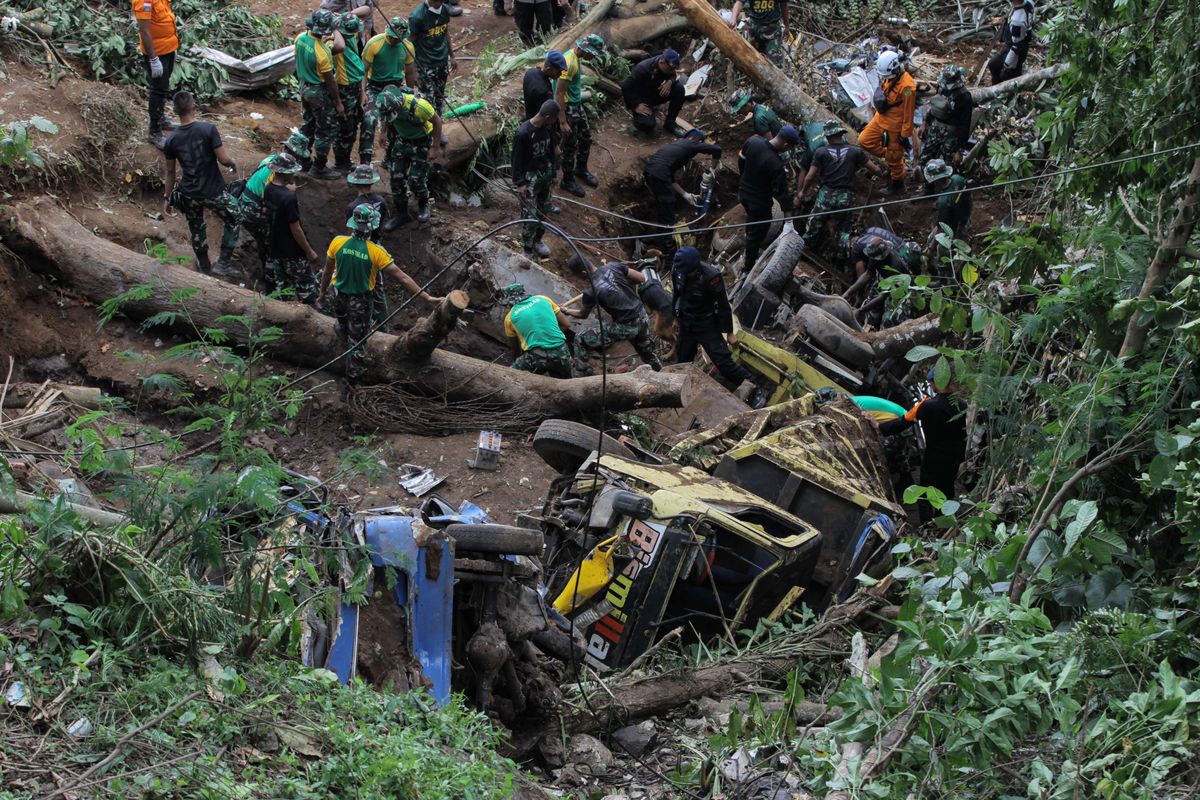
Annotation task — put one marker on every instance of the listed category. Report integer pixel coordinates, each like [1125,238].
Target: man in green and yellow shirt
[572,116]
[352,266]
[414,129]
[537,330]
[319,94]
[389,60]
[349,72]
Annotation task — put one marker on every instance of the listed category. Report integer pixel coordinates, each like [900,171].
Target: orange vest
[162,24]
[901,94]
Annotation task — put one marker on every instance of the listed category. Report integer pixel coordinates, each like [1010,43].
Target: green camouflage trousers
[408,162]
[637,334]
[535,204]
[253,214]
[554,362]
[295,277]
[827,200]
[433,83]
[223,205]
[941,141]
[768,40]
[320,117]
[379,303]
[370,122]
[353,312]
[576,145]
[347,124]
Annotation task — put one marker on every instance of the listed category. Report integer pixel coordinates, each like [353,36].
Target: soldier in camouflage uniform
[197,147]
[429,23]
[533,172]
[947,126]
[613,287]
[348,67]
[389,60]
[768,26]
[834,167]
[319,96]
[414,130]
[573,117]
[353,265]
[538,331]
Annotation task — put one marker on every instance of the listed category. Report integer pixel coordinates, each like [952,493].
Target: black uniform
[661,169]
[643,86]
[763,179]
[535,89]
[943,421]
[704,315]
[1015,36]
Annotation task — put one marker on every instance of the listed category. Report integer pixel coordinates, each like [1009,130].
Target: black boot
[894,189]
[224,265]
[320,169]
[571,185]
[399,218]
[423,213]
[202,262]
[341,162]
[587,177]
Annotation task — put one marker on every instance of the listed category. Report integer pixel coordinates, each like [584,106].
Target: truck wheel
[502,539]
[774,273]
[565,445]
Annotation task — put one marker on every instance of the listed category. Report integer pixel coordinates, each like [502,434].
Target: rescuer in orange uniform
[890,131]
[158,40]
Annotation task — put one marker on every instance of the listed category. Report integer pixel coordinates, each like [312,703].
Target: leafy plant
[16,144]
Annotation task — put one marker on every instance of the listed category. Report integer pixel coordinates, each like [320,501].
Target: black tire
[774,273]
[565,445]
[501,539]
[835,337]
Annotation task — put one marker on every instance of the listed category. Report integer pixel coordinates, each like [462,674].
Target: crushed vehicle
[781,505]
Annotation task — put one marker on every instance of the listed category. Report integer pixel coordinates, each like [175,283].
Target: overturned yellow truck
[782,505]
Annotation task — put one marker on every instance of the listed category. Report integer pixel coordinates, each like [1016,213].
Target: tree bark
[899,339]
[50,240]
[984,94]
[21,395]
[1164,260]
[422,338]
[785,96]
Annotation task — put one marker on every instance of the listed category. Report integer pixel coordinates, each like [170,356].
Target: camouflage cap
[364,220]
[512,294]
[323,22]
[833,127]
[349,24]
[937,169]
[876,248]
[363,175]
[398,28]
[952,77]
[738,100]
[592,45]
[912,253]
[284,164]
[297,143]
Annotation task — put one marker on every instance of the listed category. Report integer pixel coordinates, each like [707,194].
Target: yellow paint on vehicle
[593,574]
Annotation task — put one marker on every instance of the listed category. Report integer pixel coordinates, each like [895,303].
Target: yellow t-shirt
[356,266]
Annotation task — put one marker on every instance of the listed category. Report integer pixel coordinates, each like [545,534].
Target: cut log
[421,339]
[785,97]
[20,395]
[984,94]
[51,240]
[899,339]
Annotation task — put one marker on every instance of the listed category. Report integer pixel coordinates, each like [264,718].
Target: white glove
[156,69]
[691,198]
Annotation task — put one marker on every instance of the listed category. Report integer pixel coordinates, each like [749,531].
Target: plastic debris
[696,80]
[417,480]
[17,695]
[81,728]
[487,451]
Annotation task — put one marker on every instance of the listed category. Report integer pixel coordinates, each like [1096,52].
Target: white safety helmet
[889,64]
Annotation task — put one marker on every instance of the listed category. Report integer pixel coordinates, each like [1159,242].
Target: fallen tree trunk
[423,338]
[21,395]
[984,94]
[899,339]
[785,96]
[98,269]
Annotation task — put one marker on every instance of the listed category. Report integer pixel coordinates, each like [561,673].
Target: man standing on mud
[768,26]
[764,180]
[159,41]
[319,95]
[429,24]
[198,149]
[532,173]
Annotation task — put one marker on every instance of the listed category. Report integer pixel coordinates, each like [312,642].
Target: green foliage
[106,40]
[254,730]
[16,141]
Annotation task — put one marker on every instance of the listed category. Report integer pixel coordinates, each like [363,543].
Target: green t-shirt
[313,61]
[257,182]
[430,31]
[349,65]
[386,60]
[765,13]
[766,121]
[574,78]
[534,322]
[357,263]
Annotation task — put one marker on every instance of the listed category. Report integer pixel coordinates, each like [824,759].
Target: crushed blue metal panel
[343,650]
[424,589]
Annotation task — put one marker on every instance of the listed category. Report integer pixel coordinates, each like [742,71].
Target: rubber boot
[571,185]
[224,265]
[423,213]
[320,169]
